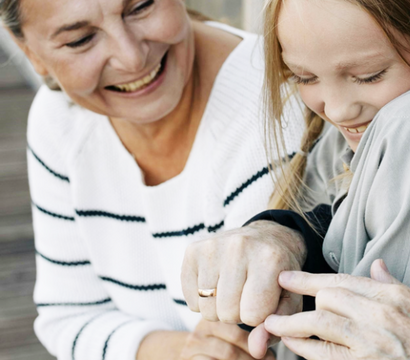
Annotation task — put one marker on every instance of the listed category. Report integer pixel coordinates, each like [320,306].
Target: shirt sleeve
[77,318]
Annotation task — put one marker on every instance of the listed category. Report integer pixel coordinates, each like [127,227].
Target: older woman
[153,142]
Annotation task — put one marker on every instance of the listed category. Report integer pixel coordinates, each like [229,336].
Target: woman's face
[345,67]
[128,59]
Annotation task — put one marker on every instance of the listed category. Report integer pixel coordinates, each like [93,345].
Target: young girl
[349,61]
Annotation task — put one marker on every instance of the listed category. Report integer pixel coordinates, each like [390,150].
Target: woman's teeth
[358,130]
[139,84]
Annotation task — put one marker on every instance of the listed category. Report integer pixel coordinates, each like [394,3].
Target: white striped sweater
[109,248]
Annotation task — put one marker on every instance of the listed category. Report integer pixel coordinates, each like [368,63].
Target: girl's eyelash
[371,79]
[141,7]
[83,41]
[301,81]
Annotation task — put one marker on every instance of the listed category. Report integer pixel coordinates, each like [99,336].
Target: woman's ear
[31,55]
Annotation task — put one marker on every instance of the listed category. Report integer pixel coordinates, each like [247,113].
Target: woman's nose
[128,53]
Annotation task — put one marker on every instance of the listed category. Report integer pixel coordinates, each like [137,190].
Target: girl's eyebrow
[69,27]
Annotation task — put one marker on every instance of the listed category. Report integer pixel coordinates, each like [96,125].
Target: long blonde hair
[390,15]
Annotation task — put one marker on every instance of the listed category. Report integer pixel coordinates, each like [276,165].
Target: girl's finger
[259,340]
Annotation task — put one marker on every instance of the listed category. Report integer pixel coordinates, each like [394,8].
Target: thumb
[379,272]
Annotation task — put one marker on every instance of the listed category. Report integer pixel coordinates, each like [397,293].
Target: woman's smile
[148,82]
[127,60]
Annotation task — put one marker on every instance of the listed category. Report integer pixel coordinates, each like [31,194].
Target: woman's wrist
[158,343]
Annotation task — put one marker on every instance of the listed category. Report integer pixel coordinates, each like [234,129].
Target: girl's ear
[32,56]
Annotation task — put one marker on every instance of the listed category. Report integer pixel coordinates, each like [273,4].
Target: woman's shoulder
[55,124]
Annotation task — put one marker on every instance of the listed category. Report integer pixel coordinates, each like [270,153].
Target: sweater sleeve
[77,318]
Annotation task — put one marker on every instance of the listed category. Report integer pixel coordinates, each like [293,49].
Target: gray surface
[17,260]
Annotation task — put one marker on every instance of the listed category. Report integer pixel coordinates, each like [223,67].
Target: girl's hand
[355,318]
[217,341]
[244,265]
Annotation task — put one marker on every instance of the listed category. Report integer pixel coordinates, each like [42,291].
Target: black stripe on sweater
[111,334]
[246,184]
[189,231]
[150,287]
[216,227]
[81,330]
[64,263]
[54,215]
[61,177]
[101,302]
[97,213]
[180,302]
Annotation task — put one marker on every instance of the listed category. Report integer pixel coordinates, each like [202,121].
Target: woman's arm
[356,318]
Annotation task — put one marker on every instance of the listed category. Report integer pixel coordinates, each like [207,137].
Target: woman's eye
[301,81]
[371,79]
[141,7]
[83,41]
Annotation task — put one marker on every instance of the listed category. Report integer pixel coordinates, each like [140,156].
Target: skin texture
[233,263]
[356,318]
[209,341]
[121,44]
[337,54]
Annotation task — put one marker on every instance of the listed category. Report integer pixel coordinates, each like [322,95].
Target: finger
[189,279]
[321,323]
[343,302]
[208,279]
[202,357]
[289,303]
[230,285]
[223,350]
[379,272]
[260,294]
[309,284]
[315,349]
[231,334]
[258,341]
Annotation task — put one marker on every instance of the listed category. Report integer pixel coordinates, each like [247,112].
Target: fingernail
[383,266]
[285,277]
[270,321]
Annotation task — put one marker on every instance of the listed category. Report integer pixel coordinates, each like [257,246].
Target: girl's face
[128,59]
[345,67]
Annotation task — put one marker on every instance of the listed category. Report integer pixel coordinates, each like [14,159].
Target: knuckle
[251,319]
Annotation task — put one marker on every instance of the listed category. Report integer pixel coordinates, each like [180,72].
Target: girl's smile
[344,65]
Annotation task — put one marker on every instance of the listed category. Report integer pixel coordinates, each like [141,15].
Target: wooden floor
[17,261]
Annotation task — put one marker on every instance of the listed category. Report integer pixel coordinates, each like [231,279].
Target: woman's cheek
[171,25]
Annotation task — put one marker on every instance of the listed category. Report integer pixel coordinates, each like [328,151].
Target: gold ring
[204,293]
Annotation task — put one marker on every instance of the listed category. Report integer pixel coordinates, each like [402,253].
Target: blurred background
[18,84]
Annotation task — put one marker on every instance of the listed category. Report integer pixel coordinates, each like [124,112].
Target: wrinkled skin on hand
[355,318]
[218,341]
[244,265]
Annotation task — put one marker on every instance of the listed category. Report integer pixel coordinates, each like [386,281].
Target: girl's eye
[83,41]
[370,79]
[301,81]
[141,7]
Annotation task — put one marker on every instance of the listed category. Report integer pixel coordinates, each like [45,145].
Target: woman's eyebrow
[69,27]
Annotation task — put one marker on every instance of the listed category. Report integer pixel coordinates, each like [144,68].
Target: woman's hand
[244,265]
[355,318]
[217,341]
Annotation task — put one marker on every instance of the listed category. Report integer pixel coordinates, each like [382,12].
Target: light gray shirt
[371,217]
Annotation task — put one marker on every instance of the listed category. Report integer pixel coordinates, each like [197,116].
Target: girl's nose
[341,107]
